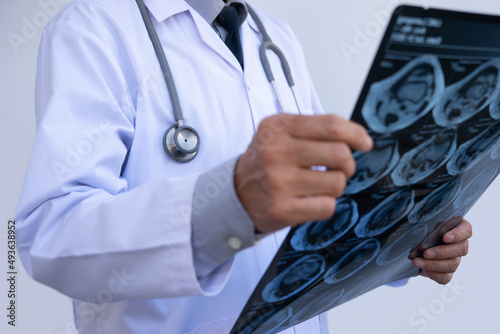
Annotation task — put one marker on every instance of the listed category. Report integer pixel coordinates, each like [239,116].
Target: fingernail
[430,254]
[369,143]
[449,238]
[419,263]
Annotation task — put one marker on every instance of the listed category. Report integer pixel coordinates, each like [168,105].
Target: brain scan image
[425,159]
[475,187]
[466,98]
[318,303]
[363,285]
[403,245]
[298,276]
[495,153]
[386,214]
[314,236]
[271,320]
[353,261]
[469,153]
[374,165]
[268,320]
[400,100]
[495,106]
[437,204]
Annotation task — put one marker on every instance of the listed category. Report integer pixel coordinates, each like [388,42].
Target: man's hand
[274,180]
[440,262]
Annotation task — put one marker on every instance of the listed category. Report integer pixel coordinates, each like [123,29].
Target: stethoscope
[181,142]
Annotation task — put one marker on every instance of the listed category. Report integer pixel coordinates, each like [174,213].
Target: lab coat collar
[162,10]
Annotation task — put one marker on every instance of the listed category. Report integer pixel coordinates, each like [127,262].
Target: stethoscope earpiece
[181,143]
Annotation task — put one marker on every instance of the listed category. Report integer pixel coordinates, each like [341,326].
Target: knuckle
[334,125]
[351,168]
[454,265]
[342,155]
[343,152]
[339,183]
[469,230]
[327,209]
[465,248]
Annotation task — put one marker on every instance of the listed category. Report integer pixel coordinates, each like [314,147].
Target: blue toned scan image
[371,279]
[475,185]
[353,261]
[316,302]
[315,236]
[386,214]
[270,321]
[425,159]
[400,100]
[374,165]
[467,97]
[495,153]
[495,105]
[437,205]
[470,152]
[402,246]
[295,278]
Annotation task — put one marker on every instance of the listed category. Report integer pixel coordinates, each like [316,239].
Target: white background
[468,305]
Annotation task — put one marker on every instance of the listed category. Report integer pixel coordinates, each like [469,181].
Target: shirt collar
[210,9]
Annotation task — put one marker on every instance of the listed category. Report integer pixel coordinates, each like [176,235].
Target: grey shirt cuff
[220,225]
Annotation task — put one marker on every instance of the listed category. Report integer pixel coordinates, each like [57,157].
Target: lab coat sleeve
[81,230]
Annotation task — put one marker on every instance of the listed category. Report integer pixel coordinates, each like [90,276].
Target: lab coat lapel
[211,39]
[162,10]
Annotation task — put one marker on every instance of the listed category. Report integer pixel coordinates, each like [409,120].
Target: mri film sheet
[432,105]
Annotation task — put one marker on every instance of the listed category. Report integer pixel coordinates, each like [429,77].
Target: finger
[441,278]
[462,232]
[315,183]
[441,266]
[447,251]
[329,128]
[300,210]
[333,155]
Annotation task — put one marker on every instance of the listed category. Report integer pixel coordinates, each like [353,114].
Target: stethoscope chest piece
[181,142]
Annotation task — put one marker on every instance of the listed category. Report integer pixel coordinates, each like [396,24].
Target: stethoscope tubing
[173,147]
[162,59]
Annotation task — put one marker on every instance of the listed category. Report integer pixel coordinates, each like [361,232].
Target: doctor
[146,244]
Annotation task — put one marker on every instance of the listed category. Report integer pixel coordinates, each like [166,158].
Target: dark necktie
[230,20]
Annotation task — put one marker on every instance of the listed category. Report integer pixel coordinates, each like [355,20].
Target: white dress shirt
[105,215]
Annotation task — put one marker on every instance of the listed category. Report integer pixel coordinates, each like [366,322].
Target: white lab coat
[104,215]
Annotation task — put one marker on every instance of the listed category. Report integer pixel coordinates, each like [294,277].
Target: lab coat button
[235,243]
